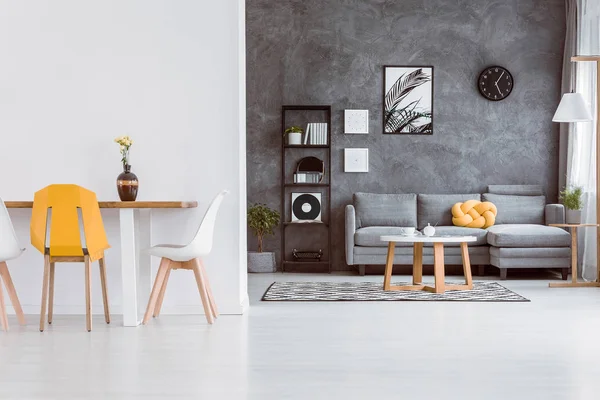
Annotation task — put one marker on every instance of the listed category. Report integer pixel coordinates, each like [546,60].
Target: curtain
[568,85]
[581,166]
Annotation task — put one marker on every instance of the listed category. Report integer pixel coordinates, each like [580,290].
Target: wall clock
[495,83]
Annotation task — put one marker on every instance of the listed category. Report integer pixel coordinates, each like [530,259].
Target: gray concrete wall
[332,52]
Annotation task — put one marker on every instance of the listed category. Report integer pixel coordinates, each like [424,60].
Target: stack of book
[308,177]
[316,133]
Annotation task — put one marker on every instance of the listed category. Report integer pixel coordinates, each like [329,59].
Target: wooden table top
[119,204]
[571,225]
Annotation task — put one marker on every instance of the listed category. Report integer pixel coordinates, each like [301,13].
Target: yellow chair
[66,226]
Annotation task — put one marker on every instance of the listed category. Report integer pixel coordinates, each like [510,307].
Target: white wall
[75,74]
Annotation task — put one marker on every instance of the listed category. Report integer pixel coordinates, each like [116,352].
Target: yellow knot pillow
[474,214]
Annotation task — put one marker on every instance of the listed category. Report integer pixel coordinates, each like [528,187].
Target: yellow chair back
[64,228]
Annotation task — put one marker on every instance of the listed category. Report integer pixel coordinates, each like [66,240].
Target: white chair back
[203,241]
[9,245]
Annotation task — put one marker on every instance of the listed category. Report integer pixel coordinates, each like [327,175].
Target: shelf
[306,146]
[306,108]
[307,262]
[307,184]
[325,224]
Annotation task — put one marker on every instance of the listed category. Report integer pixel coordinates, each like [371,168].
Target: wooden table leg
[417,263]
[464,251]
[574,282]
[574,255]
[389,265]
[438,267]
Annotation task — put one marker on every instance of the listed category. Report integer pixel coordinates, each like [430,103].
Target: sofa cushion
[370,236]
[517,209]
[374,209]
[518,190]
[527,235]
[436,209]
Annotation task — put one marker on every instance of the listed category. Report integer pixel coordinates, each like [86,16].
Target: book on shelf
[308,177]
[316,134]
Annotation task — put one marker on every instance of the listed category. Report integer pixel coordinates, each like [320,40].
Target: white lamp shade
[572,108]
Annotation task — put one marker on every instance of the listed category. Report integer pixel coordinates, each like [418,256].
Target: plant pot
[127,184]
[294,138]
[573,216]
[261,262]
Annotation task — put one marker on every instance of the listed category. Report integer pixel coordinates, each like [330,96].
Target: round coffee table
[438,261]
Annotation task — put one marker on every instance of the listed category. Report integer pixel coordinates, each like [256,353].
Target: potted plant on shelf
[571,198]
[294,134]
[262,220]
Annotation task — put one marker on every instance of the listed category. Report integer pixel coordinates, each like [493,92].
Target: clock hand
[498,87]
[500,77]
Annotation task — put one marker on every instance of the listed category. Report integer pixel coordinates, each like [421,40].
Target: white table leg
[144,261]
[128,267]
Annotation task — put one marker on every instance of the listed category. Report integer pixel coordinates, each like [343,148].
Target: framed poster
[408,100]
[356,160]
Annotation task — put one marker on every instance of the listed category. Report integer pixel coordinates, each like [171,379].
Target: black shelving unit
[290,152]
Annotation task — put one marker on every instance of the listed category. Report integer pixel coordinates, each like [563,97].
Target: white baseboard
[195,309]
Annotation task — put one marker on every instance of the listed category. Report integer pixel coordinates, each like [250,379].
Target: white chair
[187,257]
[9,250]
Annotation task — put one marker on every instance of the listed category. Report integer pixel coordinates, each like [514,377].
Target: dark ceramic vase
[127,184]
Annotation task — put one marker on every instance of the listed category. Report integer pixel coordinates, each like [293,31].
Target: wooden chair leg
[161,294]
[88,293]
[104,290]
[44,292]
[211,298]
[3,316]
[12,293]
[202,289]
[51,294]
[158,282]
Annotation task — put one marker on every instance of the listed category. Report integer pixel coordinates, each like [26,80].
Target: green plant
[262,220]
[571,197]
[293,129]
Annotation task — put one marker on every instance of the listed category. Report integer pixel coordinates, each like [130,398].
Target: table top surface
[571,225]
[119,204]
[428,239]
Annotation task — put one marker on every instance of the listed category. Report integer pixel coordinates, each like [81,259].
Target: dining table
[135,224]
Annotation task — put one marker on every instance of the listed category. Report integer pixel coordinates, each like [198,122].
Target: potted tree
[262,220]
[571,198]
[294,134]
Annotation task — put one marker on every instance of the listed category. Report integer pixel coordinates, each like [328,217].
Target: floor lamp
[572,108]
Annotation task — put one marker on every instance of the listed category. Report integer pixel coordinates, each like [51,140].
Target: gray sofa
[521,237]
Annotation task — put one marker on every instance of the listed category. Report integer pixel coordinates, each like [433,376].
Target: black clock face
[495,83]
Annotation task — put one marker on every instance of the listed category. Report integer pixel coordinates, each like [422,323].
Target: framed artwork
[408,100]
[356,122]
[356,160]
[306,207]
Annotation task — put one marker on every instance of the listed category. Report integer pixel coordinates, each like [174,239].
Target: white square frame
[356,122]
[356,160]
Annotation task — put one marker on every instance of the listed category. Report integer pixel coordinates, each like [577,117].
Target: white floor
[547,349]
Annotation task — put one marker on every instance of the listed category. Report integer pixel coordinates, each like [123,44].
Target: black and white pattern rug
[373,291]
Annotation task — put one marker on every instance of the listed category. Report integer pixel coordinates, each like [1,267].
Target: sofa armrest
[555,214]
[350,229]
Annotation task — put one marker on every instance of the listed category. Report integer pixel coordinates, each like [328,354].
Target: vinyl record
[306,206]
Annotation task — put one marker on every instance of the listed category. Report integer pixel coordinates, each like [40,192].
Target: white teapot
[429,230]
